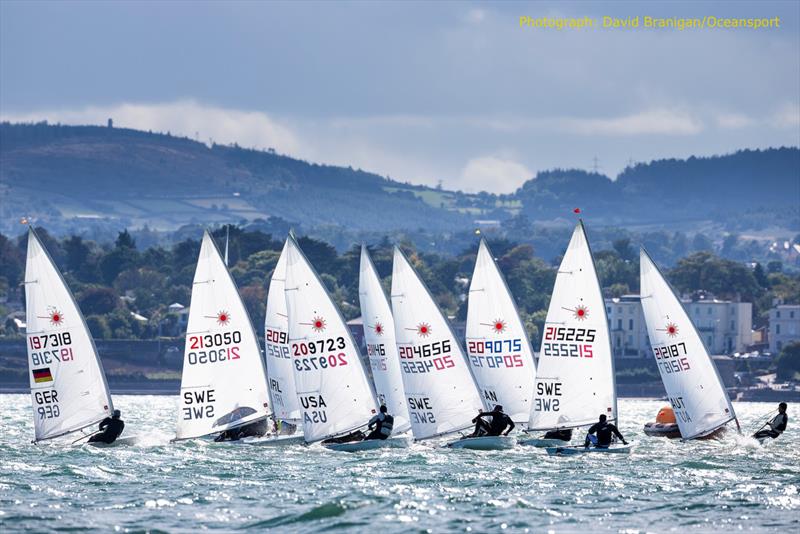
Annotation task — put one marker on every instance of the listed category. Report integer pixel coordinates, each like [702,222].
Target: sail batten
[498,347]
[61,352]
[440,390]
[223,383]
[575,376]
[381,343]
[691,379]
[332,387]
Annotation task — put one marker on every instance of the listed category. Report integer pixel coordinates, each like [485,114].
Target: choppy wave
[153,484]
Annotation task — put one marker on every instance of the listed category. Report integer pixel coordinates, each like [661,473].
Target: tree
[788,361]
[98,301]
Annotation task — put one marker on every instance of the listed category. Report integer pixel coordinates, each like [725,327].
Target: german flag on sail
[42,375]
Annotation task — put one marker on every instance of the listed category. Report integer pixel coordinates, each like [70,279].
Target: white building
[784,326]
[724,326]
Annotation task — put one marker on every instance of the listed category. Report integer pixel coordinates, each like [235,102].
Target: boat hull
[541,442]
[484,443]
[119,442]
[400,442]
[662,430]
[276,441]
[573,451]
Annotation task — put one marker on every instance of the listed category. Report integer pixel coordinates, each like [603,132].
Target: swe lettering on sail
[198,404]
[421,410]
[547,396]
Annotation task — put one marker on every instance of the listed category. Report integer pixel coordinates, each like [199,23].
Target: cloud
[183,117]
[490,173]
[476,16]
[788,116]
[732,121]
[655,122]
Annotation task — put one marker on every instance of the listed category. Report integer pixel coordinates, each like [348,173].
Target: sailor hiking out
[381,424]
[110,429]
[776,425]
[495,427]
[600,434]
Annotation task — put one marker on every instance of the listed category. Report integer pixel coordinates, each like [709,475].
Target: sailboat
[575,377]
[376,315]
[696,394]
[336,398]
[69,391]
[441,392]
[224,382]
[280,369]
[498,347]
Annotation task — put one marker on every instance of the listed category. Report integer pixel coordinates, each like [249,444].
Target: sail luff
[615,415]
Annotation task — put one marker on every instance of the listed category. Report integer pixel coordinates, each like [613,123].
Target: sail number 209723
[319,354]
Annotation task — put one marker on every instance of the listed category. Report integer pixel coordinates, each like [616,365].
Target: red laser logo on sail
[499,326]
[581,312]
[378,329]
[223,318]
[318,325]
[672,330]
[55,317]
[424,329]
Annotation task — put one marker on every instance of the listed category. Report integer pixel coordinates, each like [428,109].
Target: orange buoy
[665,416]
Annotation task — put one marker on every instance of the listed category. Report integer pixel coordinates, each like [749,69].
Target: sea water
[663,485]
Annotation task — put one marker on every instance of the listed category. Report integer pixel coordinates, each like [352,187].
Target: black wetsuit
[777,426]
[254,429]
[499,423]
[564,435]
[111,428]
[383,426]
[604,432]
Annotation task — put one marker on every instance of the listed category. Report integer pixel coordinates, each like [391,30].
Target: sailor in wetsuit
[383,423]
[604,432]
[776,425]
[499,423]
[254,429]
[111,429]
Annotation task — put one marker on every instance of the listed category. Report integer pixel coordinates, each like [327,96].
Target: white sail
[693,385]
[332,386]
[68,386]
[280,369]
[224,383]
[575,376]
[376,315]
[498,347]
[440,390]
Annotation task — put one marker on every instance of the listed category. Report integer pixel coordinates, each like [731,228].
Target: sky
[450,92]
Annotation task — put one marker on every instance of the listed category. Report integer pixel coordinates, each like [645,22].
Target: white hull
[276,441]
[541,442]
[484,443]
[368,445]
[571,451]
